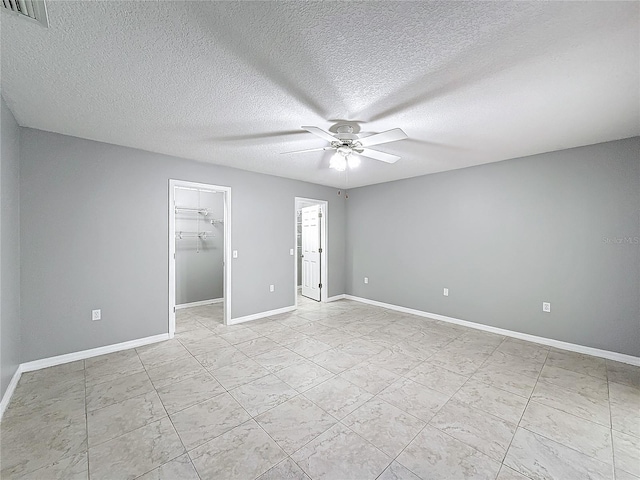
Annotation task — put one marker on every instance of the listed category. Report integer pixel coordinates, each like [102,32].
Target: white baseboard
[596,352]
[6,398]
[72,357]
[256,316]
[93,352]
[200,303]
[336,298]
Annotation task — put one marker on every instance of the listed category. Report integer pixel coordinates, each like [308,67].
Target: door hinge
[319,214]
[319,250]
[174,309]
[319,285]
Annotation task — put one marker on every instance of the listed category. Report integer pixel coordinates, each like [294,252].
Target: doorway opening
[311,220]
[199,263]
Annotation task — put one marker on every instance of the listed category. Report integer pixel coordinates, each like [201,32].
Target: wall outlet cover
[291,251]
[366,279]
[546,307]
[445,292]
[272,288]
[96,315]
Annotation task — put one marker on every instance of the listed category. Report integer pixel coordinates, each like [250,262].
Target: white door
[311,252]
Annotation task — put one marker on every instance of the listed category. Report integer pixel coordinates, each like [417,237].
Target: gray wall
[199,262]
[504,237]
[9,246]
[94,235]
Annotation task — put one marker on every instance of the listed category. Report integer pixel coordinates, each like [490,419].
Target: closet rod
[204,211]
[202,235]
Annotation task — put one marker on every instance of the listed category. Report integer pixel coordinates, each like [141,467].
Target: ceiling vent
[30,9]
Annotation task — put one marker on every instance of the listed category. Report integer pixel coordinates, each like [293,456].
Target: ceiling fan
[349,146]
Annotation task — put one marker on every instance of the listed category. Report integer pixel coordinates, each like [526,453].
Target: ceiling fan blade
[384,137]
[378,155]
[321,133]
[309,150]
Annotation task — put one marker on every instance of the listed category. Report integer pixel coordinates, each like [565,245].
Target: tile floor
[332,391]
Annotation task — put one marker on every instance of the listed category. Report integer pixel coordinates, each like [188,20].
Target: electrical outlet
[445,292]
[366,279]
[272,288]
[96,315]
[546,307]
[235,254]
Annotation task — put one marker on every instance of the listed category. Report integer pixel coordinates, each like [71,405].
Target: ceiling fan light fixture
[338,162]
[353,161]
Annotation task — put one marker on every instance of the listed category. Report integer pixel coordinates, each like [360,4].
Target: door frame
[226,287]
[324,244]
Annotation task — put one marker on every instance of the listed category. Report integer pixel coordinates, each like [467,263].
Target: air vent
[29,9]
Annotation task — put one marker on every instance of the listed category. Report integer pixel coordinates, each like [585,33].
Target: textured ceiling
[232,82]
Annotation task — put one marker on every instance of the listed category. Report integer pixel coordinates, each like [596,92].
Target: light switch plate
[235,254]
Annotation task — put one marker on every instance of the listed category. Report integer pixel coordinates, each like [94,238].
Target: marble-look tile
[458,362]
[339,453]
[581,435]
[221,358]
[414,349]
[188,392]
[286,337]
[625,405]
[624,373]
[242,453]
[579,382]
[394,361]
[308,347]
[434,455]
[486,433]
[115,391]
[163,352]
[117,419]
[74,467]
[304,375]
[206,344]
[622,475]
[204,421]
[262,394]
[513,382]
[369,378]
[432,339]
[33,442]
[239,373]
[267,327]
[413,398]
[238,336]
[179,468]
[576,403]
[334,338]
[626,450]
[257,346]
[507,473]
[277,359]
[385,426]
[521,348]
[517,364]
[66,372]
[495,401]
[396,471]
[295,423]
[361,348]
[540,458]
[112,366]
[335,360]
[285,470]
[136,452]
[173,372]
[37,399]
[337,396]
[577,362]
[437,378]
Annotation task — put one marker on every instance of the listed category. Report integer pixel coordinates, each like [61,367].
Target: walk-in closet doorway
[199,255]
